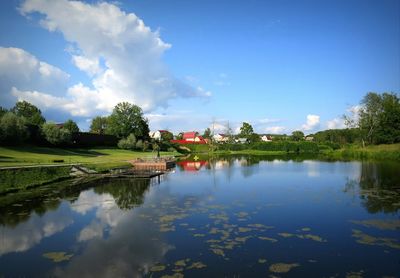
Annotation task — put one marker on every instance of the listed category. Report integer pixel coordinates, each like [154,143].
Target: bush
[129,143]
[56,135]
[139,145]
[12,129]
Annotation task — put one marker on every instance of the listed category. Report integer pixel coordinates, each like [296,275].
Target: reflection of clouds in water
[131,249]
[95,229]
[312,168]
[28,234]
[89,200]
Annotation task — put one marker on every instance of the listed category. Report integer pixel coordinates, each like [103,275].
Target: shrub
[56,135]
[128,143]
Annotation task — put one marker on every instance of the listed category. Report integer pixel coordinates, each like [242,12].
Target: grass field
[95,157]
[376,152]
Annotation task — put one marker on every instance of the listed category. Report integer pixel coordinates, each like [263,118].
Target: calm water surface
[236,217]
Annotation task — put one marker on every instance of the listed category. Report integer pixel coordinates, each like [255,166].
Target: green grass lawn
[96,157]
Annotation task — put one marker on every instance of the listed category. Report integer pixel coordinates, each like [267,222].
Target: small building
[266,138]
[156,135]
[191,137]
[220,138]
[309,138]
[241,140]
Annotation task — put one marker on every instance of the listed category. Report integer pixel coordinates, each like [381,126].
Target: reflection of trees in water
[18,207]
[379,185]
[128,193]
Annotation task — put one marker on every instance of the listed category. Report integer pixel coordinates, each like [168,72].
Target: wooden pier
[159,164]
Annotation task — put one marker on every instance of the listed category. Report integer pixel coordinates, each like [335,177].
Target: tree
[166,136]
[125,119]
[12,129]
[29,112]
[378,118]
[56,135]
[297,135]
[99,125]
[207,133]
[71,126]
[2,111]
[246,130]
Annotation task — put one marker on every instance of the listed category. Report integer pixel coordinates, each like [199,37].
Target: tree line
[25,123]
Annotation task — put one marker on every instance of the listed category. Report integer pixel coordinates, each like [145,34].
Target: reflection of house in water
[220,164]
[192,165]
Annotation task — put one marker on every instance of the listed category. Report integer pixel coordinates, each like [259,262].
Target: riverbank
[98,159]
[375,152]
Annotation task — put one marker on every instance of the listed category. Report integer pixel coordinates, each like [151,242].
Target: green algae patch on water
[57,257]
[366,239]
[282,267]
[355,274]
[312,237]
[267,238]
[243,239]
[379,224]
[244,230]
[175,275]
[199,235]
[156,268]
[218,252]
[197,265]
[286,235]
[181,262]
[172,217]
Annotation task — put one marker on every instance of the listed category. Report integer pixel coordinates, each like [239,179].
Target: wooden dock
[159,164]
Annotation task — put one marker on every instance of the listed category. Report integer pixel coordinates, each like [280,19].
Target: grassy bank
[23,178]
[99,158]
[378,152]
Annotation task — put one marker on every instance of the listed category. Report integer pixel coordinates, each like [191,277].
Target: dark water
[236,217]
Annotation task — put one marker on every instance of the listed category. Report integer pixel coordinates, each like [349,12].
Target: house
[241,140]
[191,137]
[156,135]
[266,138]
[220,138]
[192,165]
[309,138]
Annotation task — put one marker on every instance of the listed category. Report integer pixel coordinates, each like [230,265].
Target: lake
[220,217]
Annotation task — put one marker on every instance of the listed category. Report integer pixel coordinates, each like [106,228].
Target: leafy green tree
[29,112]
[166,137]
[71,126]
[2,111]
[297,135]
[207,133]
[99,125]
[246,130]
[56,135]
[388,130]
[127,118]
[128,143]
[378,118]
[12,129]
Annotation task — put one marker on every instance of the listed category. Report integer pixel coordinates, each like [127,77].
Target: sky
[279,65]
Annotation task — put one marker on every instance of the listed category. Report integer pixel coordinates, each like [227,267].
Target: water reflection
[220,216]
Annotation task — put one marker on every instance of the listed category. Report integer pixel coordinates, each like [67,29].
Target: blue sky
[280,65]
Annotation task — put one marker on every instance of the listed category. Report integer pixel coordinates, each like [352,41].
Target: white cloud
[275,129]
[335,123]
[269,121]
[24,71]
[132,71]
[312,122]
[90,66]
